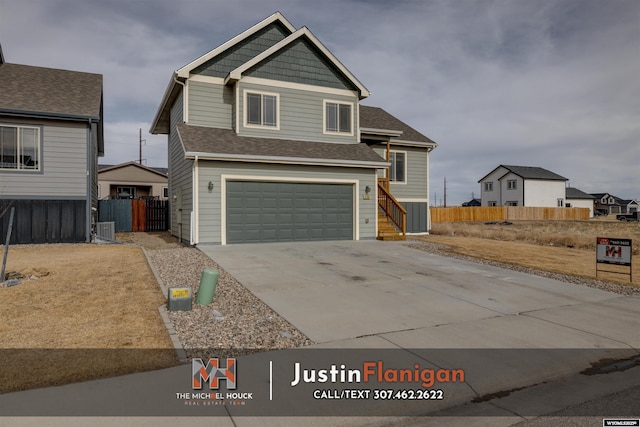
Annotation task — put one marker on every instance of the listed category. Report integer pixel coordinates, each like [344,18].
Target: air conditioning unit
[106,230]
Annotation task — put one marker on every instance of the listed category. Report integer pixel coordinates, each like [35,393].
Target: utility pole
[445,191]
[141,141]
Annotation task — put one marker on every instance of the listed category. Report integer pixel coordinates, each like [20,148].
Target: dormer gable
[246,45]
[300,58]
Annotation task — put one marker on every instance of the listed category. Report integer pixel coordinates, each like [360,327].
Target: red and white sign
[613,251]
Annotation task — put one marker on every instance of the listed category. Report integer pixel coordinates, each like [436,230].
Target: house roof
[161,121]
[529,172]
[29,90]
[574,193]
[225,144]
[160,171]
[374,119]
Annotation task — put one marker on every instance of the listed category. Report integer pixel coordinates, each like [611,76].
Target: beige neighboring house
[132,181]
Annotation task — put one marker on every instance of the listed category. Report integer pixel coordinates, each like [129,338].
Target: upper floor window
[261,110]
[19,148]
[338,117]
[488,186]
[511,184]
[398,166]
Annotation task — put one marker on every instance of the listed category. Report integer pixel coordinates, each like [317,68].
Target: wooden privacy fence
[506,213]
[135,215]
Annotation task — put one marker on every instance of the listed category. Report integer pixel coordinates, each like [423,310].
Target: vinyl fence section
[506,213]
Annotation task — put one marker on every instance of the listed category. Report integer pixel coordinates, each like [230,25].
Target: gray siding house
[51,135]
[267,141]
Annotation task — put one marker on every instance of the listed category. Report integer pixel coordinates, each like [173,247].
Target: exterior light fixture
[210,186]
[367,189]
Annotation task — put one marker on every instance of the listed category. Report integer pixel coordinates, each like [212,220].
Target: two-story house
[268,142]
[606,203]
[509,185]
[51,135]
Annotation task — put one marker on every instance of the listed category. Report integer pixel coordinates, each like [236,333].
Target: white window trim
[512,184]
[406,168]
[488,184]
[324,117]
[246,93]
[19,146]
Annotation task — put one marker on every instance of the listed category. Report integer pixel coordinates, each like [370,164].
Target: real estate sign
[613,251]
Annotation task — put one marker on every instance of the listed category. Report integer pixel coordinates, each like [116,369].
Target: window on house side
[262,110]
[338,117]
[511,204]
[511,184]
[488,186]
[560,203]
[492,203]
[398,166]
[20,148]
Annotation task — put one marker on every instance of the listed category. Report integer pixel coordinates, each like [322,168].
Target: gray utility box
[179,299]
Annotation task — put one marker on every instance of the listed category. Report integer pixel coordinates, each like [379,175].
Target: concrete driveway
[337,291]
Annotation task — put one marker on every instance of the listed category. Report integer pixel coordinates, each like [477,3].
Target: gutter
[286,160]
[50,116]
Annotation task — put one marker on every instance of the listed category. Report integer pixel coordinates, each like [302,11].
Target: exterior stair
[386,229]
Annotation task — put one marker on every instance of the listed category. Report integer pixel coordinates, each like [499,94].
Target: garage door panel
[288,211]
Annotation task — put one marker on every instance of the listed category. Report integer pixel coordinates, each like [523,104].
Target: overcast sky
[549,83]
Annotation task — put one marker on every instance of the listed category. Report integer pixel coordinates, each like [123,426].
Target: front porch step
[388,231]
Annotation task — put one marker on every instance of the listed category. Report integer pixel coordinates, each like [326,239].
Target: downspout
[196,216]
[89,207]
[185,105]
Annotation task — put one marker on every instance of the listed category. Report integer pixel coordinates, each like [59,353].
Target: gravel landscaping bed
[235,323]
[440,249]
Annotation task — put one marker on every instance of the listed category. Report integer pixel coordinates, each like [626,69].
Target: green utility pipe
[208,283]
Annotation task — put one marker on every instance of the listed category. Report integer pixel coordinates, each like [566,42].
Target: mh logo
[614,251]
[213,373]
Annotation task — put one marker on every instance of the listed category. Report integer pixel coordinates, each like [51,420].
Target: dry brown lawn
[91,312]
[566,247]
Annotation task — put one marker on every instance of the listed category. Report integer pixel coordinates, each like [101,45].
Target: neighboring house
[522,186]
[132,181]
[51,135]
[579,199]
[473,202]
[268,142]
[610,204]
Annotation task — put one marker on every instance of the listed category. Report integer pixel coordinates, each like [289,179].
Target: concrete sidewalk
[375,295]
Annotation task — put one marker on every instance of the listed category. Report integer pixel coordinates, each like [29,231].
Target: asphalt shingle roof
[377,118]
[574,193]
[198,139]
[533,172]
[32,89]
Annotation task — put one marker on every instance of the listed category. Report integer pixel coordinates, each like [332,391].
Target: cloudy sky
[549,83]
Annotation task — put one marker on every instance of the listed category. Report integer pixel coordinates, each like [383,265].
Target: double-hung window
[511,184]
[398,170]
[19,148]
[261,110]
[338,117]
